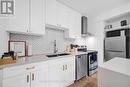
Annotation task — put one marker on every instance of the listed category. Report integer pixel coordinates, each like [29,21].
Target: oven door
[93,64]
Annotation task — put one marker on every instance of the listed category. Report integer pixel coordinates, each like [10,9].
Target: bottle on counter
[67,49]
[29,50]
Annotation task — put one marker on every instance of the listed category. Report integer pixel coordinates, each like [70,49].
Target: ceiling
[93,7]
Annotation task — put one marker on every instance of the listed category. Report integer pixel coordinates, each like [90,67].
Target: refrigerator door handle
[114,51]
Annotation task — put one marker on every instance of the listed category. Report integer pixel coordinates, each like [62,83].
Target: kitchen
[52,38]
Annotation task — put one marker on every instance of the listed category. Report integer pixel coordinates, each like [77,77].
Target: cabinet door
[16,81]
[77,25]
[37,13]
[20,20]
[56,75]
[62,15]
[39,78]
[51,12]
[69,73]
[74,24]
[71,23]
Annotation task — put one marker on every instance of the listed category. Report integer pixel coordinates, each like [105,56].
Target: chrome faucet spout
[55,48]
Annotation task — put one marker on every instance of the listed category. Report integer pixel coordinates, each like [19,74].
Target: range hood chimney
[84,26]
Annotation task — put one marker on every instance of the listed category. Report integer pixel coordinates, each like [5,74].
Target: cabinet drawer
[41,66]
[64,59]
[13,71]
[36,66]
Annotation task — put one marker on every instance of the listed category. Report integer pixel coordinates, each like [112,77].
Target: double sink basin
[57,55]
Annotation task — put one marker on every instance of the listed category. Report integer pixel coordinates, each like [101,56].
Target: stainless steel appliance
[116,44]
[84,26]
[81,66]
[92,63]
[82,48]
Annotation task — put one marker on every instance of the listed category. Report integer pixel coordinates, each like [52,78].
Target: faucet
[55,48]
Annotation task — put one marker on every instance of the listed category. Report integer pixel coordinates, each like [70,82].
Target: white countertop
[120,65]
[32,59]
[39,58]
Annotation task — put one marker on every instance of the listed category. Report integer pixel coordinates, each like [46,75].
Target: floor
[86,82]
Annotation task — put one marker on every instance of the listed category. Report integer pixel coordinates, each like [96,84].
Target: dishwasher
[81,66]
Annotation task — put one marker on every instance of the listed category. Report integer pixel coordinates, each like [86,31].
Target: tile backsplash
[44,44]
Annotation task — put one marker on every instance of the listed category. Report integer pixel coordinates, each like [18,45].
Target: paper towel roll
[29,50]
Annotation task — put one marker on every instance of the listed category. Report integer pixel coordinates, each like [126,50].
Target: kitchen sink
[51,55]
[63,54]
[56,55]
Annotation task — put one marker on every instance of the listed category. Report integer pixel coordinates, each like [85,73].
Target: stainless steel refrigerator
[116,44]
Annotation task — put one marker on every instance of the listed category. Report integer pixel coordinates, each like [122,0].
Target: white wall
[96,42]
[3,40]
[44,44]
[3,35]
[80,41]
[96,27]
[1,74]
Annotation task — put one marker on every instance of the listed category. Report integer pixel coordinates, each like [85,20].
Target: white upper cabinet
[62,15]
[19,21]
[28,17]
[74,24]
[51,15]
[37,16]
[56,14]
[77,23]
[71,24]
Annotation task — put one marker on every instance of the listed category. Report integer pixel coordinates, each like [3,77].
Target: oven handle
[79,57]
[93,68]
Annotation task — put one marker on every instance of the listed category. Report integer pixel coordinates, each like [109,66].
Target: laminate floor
[86,82]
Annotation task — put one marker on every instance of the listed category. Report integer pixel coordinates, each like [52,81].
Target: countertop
[39,58]
[120,65]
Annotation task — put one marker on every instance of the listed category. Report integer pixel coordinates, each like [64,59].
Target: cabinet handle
[27,78]
[27,31]
[30,68]
[33,77]
[65,67]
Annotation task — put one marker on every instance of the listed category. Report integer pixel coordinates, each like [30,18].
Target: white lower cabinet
[40,79]
[32,75]
[55,76]
[40,75]
[69,74]
[62,72]
[54,73]
[16,81]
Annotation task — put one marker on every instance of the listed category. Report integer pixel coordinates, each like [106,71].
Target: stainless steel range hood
[84,26]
